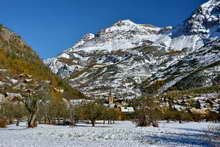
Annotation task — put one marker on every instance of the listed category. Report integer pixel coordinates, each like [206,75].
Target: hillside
[19,64]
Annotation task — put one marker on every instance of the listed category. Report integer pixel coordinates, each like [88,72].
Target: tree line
[57,113]
[38,105]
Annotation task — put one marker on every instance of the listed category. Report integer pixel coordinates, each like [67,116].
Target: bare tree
[91,111]
[32,98]
[148,112]
[12,111]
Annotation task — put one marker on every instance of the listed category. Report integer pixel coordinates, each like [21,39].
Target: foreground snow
[121,134]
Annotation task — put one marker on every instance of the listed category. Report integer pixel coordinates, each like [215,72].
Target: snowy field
[121,134]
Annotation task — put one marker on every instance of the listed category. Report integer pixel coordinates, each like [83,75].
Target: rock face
[124,57]
[198,69]
[199,29]
[205,20]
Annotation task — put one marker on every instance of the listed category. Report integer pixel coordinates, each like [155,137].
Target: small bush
[148,113]
[3,123]
[90,111]
[212,116]
[175,115]
[186,116]
[197,117]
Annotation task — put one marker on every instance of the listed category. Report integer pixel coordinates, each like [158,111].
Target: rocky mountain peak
[88,36]
[205,20]
[128,26]
[84,39]
[124,22]
[121,35]
[121,57]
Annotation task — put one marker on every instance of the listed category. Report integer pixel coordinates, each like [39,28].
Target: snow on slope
[121,134]
[204,19]
[205,59]
[125,54]
[122,35]
[203,26]
[117,46]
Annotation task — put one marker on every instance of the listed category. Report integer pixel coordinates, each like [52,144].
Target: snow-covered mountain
[121,35]
[202,27]
[198,69]
[116,59]
[204,20]
[120,58]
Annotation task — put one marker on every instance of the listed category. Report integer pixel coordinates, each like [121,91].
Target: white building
[127,109]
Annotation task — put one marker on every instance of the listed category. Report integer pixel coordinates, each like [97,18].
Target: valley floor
[121,134]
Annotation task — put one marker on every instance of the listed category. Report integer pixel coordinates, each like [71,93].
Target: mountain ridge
[123,56]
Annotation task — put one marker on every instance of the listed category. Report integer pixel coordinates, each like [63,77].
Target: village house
[121,104]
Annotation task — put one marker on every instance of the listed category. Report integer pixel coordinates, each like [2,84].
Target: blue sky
[50,26]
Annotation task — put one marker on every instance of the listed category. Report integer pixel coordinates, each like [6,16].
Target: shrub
[197,117]
[175,115]
[110,114]
[148,113]
[12,112]
[3,123]
[90,111]
[212,116]
[186,116]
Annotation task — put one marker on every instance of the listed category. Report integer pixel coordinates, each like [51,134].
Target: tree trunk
[93,123]
[53,121]
[39,120]
[33,108]
[32,120]
[10,121]
[18,122]
[73,122]
[155,124]
[49,120]
[72,117]
[58,120]
[45,120]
